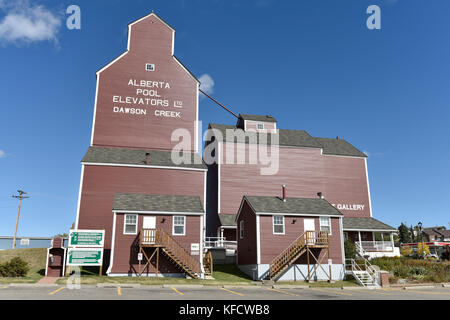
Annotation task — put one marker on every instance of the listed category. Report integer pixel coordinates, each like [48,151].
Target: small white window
[130,224]
[241,229]
[278,224]
[260,126]
[179,225]
[149,67]
[325,224]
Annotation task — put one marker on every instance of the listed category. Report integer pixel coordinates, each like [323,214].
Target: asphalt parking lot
[11,292]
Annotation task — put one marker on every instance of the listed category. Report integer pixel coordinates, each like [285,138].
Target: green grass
[35,257]
[222,274]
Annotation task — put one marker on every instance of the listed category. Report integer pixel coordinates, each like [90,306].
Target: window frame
[184,226]
[329,224]
[278,224]
[241,229]
[260,124]
[125,223]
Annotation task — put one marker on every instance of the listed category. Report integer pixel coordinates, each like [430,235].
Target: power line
[219,103]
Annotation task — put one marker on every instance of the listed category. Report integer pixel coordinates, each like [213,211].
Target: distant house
[438,233]
[6,242]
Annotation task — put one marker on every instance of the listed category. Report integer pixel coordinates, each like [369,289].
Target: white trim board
[140,166]
[296,214]
[371,230]
[158,212]
[79,196]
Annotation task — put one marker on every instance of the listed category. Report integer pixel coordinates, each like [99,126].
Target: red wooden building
[287,238]
[130,182]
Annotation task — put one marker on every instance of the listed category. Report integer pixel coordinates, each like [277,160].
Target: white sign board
[84,256]
[87,238]
[195,249]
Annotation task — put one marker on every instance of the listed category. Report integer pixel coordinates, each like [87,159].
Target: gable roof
[152,202]
[257,117]
[356,223]
[304,206]
[227,219]
[294,138]
[138,156]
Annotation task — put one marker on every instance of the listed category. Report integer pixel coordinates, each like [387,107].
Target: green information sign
[83,257]
[86,238]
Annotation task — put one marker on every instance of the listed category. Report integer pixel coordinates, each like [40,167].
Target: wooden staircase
[309,239]
[178,254]
[208,263]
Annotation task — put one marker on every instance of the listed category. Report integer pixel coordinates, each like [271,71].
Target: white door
[310,226]
[149,223]
[149,235]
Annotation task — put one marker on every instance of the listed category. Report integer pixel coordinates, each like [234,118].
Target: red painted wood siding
[253,126]
[342,180]
[247,246]
[101,182]
[126,247]
[273,244]
[150,42]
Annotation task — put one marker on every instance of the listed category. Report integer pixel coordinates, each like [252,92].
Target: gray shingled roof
[153,202]
[313,206]
[137,157]
[296,138]
[227,219]
[257,117]
[365,224]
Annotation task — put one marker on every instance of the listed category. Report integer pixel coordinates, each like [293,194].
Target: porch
[372,238]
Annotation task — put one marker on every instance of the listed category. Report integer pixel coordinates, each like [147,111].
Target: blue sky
[314,65]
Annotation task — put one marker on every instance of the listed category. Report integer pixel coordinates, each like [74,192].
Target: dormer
[257,123]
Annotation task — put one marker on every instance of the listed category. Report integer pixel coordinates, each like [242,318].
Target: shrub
[16,267]
[349,249]
[406,251]
[407,268]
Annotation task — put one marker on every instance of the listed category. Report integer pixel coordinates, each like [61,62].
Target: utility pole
[20,197]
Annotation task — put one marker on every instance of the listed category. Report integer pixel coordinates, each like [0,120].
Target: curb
[182,286]
[290,286]
[446,285]
[114,285]
[36,285]
[419,287]
[230,286]
[358,288]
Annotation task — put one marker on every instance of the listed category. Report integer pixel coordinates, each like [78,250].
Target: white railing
[366,268]
[219,242]
[376,246]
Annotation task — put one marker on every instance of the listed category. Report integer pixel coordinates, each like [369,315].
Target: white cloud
[206,83]
[26,23]
[2,154]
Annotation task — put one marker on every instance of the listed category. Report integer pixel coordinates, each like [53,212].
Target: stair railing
[161,237]
[287,254]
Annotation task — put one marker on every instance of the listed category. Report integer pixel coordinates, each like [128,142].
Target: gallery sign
[349,207]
